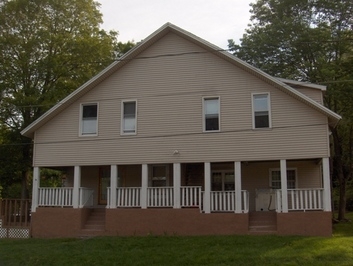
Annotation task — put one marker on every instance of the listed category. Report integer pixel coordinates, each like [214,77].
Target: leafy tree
[309,40]
[47,49]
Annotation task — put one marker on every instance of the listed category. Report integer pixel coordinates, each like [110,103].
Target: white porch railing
[128,197]
[86,197]
[245,201]
[160,197]
[190,196]
[224,201]
[302,199]
[55,196]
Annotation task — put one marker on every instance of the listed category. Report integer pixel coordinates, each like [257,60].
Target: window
[129,117]
[89,119]
[276,178]
[159,175]
[211,114]
[222,181]
[261,111]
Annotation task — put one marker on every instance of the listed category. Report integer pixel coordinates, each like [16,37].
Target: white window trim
[278,169]
[204,117]
[80,120]
[269,110]
[122,118]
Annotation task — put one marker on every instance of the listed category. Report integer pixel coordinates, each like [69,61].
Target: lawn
[177,250]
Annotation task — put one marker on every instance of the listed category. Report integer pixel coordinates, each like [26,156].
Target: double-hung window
[129,112]
[261,110]
[89,119]
[275,178]
[211,114]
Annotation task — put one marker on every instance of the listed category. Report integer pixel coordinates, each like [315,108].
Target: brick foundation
[68,222]
[57,222]
[174,222]
[305,223]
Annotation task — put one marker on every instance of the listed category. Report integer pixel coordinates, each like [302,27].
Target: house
[181,137]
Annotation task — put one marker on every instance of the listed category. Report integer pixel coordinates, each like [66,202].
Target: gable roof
[333,118]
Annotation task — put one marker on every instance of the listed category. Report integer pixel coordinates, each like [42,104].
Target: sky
[215,21]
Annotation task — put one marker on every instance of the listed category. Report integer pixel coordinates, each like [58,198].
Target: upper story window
[89,119]
[261,110]
[128,117]
[211,114]
[275,178]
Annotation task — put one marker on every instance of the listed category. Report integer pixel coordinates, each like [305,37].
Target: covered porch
[157,196]
[237,187]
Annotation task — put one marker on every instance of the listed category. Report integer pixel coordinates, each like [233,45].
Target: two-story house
[181,137]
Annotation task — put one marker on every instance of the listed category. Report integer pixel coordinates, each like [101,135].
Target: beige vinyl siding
[169,91]
[312,93]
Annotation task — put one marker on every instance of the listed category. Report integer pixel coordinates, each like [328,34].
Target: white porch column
[77,185]
[284,186]
[113,185]
[144,185]
[35,188]
[207,192]
[237,185]
[327,184]
[176,185]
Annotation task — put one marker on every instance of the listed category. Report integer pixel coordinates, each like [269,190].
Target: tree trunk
[339,173]
[342,197]
[26,160]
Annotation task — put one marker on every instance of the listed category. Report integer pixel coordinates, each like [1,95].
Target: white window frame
[269,110]
[122,117]
[204,115]
[81,134]
[279,170]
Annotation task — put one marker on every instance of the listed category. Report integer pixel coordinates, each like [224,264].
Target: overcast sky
[213,20]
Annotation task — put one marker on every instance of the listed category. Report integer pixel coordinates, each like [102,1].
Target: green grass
[177,250]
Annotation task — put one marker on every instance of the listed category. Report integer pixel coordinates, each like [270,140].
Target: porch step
[262,223]
[95,223]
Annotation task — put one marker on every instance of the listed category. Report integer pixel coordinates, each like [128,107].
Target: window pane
[89,119]
[229,182]
[211,106]
[260,102]
[261,111]
[261,120]
[89,111]
[130,108]
[129,117]
[211,110]
[216,181]
[212,123]
[276,179]
[89,126]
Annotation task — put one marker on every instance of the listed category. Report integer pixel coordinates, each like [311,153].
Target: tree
[309,40]
[47,49]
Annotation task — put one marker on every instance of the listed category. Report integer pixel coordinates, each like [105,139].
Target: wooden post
[284,187]
[76,189]
[237,184]
[207,192]
[144,185]
[176,185]
[113,185]
[326,183]
[35,188]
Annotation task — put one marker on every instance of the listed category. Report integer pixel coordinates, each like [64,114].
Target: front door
[104,183]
